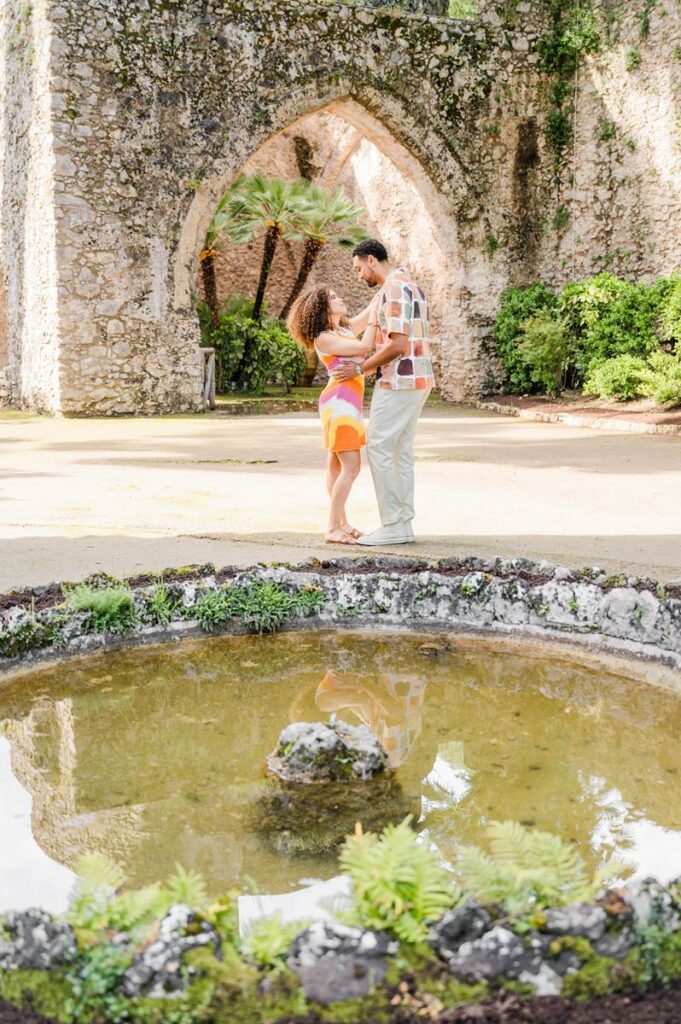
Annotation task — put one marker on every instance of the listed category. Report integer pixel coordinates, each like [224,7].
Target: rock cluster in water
[313,752]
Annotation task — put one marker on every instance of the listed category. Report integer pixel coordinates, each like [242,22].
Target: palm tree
[221,223]
[258,202]
[324,218]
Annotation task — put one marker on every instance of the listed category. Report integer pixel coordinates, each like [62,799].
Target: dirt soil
[661,1006]
[643,411]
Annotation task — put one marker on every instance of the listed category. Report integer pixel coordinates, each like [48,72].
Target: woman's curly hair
[310,315]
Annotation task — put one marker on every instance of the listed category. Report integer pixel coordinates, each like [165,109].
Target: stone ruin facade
[124,121]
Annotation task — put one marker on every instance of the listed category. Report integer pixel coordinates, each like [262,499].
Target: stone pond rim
[516,600]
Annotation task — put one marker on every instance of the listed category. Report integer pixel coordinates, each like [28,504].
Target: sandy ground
[78,496]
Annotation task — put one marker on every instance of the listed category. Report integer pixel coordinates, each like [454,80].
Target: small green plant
[95,982]
[269,940]
[620,377]
[633,60]
[670,313]
[605,130]
[111,608]
[492,244]
[561,217]
[573,605]
[630,143]
[527,870]
[161,605]
[463,8]
[215,607]
[398,882]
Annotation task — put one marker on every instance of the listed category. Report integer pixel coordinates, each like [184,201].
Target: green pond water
[156,755]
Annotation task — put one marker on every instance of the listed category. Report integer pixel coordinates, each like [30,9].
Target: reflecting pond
[156,755]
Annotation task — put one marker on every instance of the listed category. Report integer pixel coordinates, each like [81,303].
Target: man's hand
[346,371]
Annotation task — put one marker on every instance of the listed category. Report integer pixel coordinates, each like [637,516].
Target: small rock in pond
[314,752]
[433,650]
[335,962]
[34,941]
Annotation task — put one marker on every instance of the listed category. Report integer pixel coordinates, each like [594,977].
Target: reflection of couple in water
[390,338]
[390,707]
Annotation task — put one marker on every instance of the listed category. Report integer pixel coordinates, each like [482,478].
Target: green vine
[573,34]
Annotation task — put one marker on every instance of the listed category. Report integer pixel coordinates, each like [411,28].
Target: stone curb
[576,420]
[516,598]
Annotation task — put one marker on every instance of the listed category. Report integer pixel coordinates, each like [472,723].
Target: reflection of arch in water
[405,207]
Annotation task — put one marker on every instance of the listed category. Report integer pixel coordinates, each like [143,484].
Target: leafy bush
[662,378]
[398,883]
[249,354]
[112,609]
[544,351]
[606,316]
[517,306]
[527,869]
[620,377]
[670,316]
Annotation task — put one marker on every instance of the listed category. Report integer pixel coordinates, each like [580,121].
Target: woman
[319,318]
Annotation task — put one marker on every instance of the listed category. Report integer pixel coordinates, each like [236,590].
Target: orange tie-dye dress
[340,405]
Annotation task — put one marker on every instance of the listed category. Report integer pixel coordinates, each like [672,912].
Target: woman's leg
[350,464]
[333,468]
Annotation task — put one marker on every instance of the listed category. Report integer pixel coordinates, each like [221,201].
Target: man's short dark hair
[371,247]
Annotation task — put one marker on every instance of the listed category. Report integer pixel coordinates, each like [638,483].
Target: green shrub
[605,316]
[398,883]
[620,377]
[662,378]
[249,354]
[670,315]
[544,351]
[263,607]
[112,609]
[517,306]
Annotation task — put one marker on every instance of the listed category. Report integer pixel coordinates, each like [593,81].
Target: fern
[528,868]
[269,940]
[398,883]
[186,887]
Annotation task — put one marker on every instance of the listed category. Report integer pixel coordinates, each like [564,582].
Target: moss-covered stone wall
[150,108]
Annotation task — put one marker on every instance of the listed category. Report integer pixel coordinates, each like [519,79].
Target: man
[403,382]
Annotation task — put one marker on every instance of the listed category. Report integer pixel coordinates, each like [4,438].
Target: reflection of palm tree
[394,717]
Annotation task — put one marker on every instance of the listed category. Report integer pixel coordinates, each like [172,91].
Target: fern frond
[96,871]
[187,886]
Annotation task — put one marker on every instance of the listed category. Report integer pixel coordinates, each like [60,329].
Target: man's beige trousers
[390,450]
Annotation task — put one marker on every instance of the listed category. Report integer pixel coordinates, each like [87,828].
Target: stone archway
[405,209]
[123,128]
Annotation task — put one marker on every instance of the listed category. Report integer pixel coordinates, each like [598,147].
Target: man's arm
[397,346]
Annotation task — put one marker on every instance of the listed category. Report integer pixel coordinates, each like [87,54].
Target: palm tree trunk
[269,249]
[313,247]
[210,288]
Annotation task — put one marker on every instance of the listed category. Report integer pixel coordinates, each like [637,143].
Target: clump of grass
[111,609]
[263,607]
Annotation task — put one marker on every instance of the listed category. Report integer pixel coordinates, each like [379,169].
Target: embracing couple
[389,338]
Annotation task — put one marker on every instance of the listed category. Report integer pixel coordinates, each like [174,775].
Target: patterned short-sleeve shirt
[403,309]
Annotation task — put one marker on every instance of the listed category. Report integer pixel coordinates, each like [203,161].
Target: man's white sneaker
[398,533]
